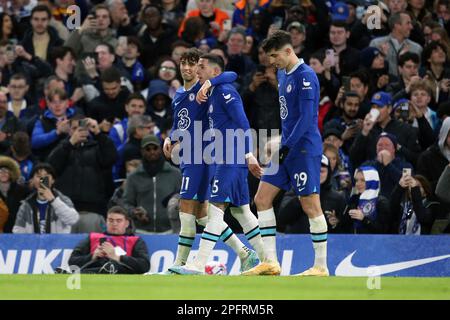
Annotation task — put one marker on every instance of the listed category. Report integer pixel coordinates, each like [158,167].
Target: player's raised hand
[202,94]
[254,167]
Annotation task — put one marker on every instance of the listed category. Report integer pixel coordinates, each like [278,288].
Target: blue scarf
[367,202]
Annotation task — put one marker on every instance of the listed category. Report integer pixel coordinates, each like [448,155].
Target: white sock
[318,228]
[268,226]
[230,239]
[250,226]
[210,235]
[186,238]
[202,221]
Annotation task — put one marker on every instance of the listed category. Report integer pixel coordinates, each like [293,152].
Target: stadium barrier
[348,255]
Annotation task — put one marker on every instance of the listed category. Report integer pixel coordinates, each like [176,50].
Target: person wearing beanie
[364,146]
[374,62]
[387,163]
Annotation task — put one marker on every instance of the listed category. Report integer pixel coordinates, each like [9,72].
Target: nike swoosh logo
[176,103]
[347,269]
[183,192]
[301,189]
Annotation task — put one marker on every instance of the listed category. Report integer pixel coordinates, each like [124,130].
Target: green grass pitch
[158,287]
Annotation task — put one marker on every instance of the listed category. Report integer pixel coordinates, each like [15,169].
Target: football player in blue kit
[233,159]
[298,158]
[190,123]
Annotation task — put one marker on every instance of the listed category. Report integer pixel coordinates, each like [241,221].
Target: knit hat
[368,55]
[332,132]
[390,137]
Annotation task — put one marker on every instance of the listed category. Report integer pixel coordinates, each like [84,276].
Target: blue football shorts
[300,172]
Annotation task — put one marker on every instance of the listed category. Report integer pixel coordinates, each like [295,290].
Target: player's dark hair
[277,40]
[215,59]
[191,56]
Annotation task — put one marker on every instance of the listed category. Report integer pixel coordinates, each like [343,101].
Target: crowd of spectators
[83,111]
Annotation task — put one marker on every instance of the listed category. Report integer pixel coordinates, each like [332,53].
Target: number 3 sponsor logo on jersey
[283,108]
[184,121]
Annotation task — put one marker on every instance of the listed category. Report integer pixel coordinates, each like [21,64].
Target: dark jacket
[389,175]
[160,47]
[158,87]
[82,171]
[152,193]
[44,137]
[11,126]
[262,108]
[102,107]
[431,164]
[15,195]
[137,263]
[425,210]
[364,147]
[55,41]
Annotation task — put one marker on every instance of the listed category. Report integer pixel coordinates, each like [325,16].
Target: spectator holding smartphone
[45,210]
[412,205]
[436,71]
[89,185]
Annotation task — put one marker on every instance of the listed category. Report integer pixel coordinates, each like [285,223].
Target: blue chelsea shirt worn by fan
[299,94]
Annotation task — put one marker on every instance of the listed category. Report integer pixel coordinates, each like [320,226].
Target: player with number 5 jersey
[299,156]
[189,125]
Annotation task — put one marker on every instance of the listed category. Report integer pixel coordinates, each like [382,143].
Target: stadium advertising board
[348,255]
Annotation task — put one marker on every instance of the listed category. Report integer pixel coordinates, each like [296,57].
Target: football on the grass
[215,268]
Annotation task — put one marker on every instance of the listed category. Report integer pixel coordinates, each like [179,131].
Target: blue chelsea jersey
[299,94]
[190,119]
[230,124]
